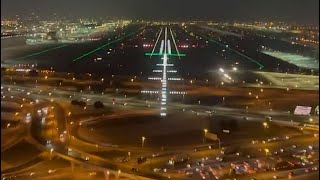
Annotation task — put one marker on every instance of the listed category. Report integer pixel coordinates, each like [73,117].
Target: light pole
[204,135]
[72,166]
[142,141]
[118,174]
[106,175]
[51,150]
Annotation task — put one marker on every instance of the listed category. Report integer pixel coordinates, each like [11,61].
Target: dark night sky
[302,11]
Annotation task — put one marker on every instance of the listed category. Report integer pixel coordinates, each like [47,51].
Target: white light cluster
[164,65]
[177,92]
[157,71]
[171,71]
[147,45]
[183,46]
[23,70]
[150,92]
[154,78]
[163,114]
[175,79]
[225,74]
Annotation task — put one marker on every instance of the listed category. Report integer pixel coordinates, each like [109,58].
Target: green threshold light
[161,54]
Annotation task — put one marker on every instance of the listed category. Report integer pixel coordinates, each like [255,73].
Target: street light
[142,141]
[265,125]
[311,120]
[267,151]
[204,135]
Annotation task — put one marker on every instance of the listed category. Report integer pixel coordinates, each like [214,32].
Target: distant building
[52,35]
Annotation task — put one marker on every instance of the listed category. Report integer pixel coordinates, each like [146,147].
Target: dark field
[184,130]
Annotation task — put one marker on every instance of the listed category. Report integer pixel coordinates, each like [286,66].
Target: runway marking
[161,48]
[224,46]
[175,44]
[103,46]
[41,52]
[154,47]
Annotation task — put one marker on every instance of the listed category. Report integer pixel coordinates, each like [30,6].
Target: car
[86,158]
[141,160]
[135,170]
[155,155]
[268,118]
[219,159]
[123,160]
[189,173]
[51,171]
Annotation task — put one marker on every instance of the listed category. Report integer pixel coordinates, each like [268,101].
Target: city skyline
[291,11]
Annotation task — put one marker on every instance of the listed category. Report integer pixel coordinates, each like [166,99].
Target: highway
[61,149]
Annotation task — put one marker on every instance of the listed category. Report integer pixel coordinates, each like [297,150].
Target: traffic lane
[297,174]
[135,102]
[253,149]
[60,149]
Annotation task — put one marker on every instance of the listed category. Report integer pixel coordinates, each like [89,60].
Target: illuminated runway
[165,51]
